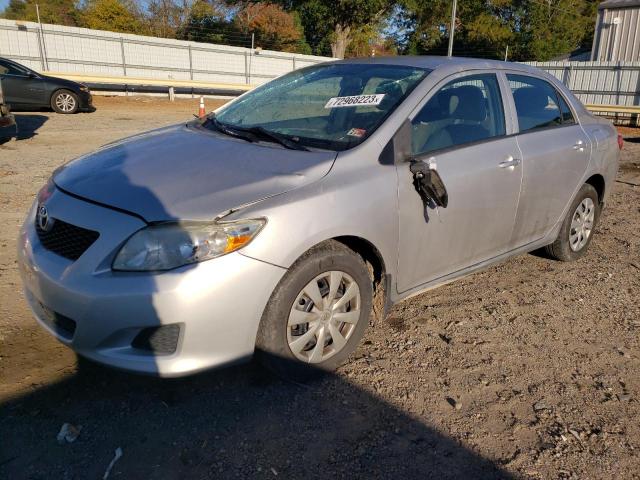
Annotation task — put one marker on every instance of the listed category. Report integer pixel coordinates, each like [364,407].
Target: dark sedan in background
[25,89]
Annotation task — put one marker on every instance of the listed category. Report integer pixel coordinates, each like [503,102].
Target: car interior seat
[467,110]
[535,103]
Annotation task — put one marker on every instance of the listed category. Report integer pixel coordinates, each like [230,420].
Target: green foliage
[554,28]
[533,29]
[112,15]
[206,23]
[62,12]
[335,23]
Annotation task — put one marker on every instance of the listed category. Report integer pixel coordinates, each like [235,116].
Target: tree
[533,29]
[113,15]
[273,27]
[336,22]
[164,17]
[206,22]
[60,12]
[371,40]
[552,28]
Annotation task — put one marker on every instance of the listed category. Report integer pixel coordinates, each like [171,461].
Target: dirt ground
[527,370]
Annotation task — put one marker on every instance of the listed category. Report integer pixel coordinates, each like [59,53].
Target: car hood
[187,173]
[62,82]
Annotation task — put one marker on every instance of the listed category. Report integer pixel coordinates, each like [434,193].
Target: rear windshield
[333,106]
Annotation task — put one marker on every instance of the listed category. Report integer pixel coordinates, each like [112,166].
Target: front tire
[578,226]
[64,101]
[317,314]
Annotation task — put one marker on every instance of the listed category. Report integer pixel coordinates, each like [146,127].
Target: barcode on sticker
[355,101]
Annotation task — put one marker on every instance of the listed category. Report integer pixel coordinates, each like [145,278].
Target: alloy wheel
[65,102]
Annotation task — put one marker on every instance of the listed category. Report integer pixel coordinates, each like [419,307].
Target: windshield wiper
[254,134]
[223,128]
[265,134]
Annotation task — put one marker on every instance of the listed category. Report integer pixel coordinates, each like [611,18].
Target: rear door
[462,129]
[555,154]
[20,86]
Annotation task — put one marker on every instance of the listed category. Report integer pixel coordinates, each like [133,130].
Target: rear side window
[537,103]
[465,110]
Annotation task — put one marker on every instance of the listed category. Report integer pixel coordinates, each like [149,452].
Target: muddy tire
[578,227]
[317,314]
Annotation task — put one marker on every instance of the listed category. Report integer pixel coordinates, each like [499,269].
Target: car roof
[454,64]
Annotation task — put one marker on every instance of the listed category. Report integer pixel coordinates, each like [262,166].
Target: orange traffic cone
[201,112]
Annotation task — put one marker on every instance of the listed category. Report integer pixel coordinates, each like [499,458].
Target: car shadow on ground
[29,124]
[239,422]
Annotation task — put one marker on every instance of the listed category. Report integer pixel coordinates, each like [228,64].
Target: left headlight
[171,245]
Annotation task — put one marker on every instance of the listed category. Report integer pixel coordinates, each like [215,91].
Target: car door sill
[440,281]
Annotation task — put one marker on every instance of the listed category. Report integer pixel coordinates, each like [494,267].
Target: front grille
[66,240]
[158,340]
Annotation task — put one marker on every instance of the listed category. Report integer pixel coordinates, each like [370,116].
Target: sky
[3,4]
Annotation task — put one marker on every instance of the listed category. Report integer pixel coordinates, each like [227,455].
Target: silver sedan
[273,225]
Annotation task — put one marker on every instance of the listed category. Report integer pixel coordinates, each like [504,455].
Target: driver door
[461,130]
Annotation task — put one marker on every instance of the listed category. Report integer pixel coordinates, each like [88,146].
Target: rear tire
[299,338]
[65,101]
[578,226]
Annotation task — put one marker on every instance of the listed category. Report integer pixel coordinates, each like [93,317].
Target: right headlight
[171,245]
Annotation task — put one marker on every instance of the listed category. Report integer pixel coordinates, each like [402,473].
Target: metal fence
[601,83]
[94,52]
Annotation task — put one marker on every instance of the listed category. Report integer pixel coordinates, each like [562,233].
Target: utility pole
[45,63]
[452,28]
[506,53]
[253,41]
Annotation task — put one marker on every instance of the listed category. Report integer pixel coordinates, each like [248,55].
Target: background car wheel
[64,101]
[317,314]
[578,226]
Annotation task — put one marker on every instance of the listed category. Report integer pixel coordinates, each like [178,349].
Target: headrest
[467,103]
[350,86]
[530,99]
[392,92]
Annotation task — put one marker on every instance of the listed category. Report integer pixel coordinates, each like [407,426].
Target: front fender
[344,203]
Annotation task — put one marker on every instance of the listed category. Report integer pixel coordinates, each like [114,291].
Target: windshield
[333,106]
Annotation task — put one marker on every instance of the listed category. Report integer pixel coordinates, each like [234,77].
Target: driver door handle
[510,162]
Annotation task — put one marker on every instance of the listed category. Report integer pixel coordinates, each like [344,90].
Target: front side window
[333,106]
[538,105]
[466,110]
[10,69]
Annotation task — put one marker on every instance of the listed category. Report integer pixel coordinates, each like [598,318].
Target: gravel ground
[526,370]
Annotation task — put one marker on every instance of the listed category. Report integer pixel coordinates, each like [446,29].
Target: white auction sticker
[355,101]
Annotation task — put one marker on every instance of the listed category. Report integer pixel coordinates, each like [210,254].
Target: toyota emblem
[44,222]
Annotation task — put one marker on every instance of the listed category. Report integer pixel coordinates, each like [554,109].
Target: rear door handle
[510,162]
